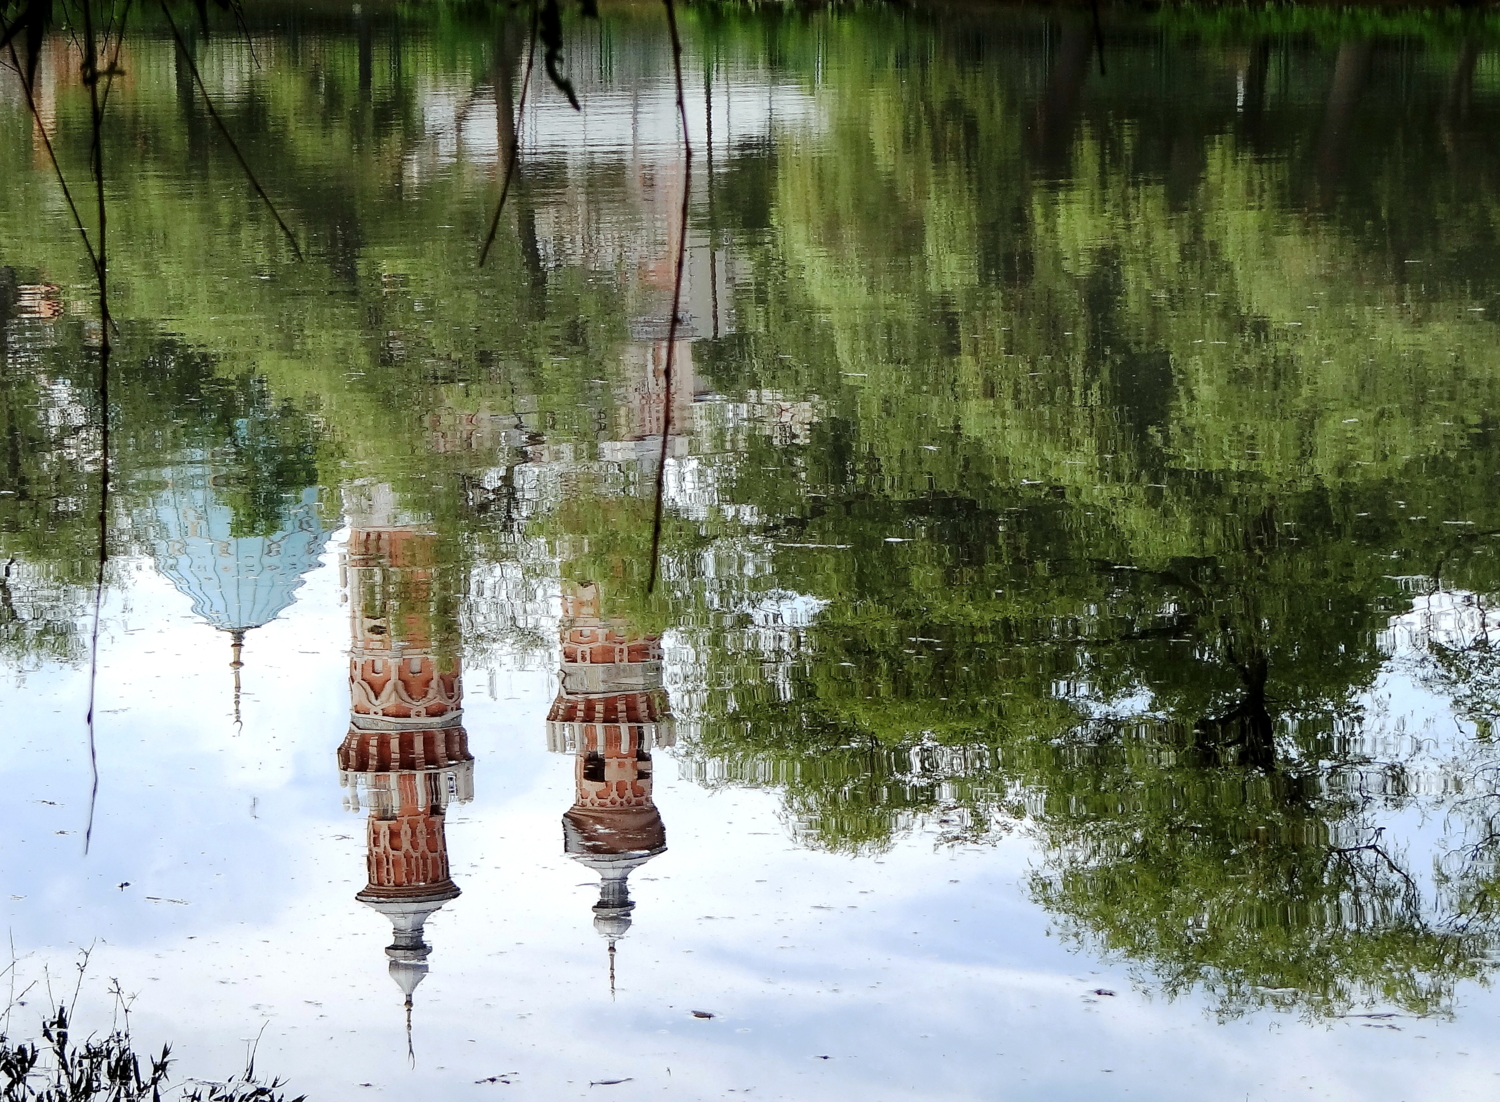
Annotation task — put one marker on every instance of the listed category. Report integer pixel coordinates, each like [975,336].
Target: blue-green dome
[235,582]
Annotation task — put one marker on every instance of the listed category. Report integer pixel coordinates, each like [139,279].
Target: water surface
[1073,667]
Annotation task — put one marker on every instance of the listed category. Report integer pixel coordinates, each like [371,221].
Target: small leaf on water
[608,1082]
[1102,991]
[702,1014]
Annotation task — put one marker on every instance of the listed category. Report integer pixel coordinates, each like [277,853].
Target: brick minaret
[609,713]
[406,755]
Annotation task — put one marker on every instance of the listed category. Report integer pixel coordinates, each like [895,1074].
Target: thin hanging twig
[515,145]
[97,260]
[1098,37]
[713,223]
[88,830]
[224,130]
[239,18]
[682,235]
[114,66]
[36,116]
[101,279]
[109,24]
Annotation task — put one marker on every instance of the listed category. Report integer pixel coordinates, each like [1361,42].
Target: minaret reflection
[610,711]
[406,756]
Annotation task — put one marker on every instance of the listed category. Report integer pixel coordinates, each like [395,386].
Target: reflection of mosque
[237,581]
[610,712]
[406,756]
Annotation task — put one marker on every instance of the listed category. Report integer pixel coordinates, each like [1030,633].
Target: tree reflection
[1062,455]
[1262,888]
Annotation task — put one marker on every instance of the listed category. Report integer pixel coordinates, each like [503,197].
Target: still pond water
[1075,659]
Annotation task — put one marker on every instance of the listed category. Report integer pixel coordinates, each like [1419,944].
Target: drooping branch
[91,76]
[552,43]
[224,130]
[682,235]
[26,76]
[113,70]
[515,145]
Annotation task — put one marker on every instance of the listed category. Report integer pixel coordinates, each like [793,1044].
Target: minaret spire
[610,712]
[236,651]
[411,1052]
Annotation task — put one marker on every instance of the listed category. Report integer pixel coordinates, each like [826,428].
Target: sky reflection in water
[1072,670]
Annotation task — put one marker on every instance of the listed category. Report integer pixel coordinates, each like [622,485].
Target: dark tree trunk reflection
[1350,73]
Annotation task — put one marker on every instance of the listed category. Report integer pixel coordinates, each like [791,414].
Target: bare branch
[687,191]
[515,145]
[224,130]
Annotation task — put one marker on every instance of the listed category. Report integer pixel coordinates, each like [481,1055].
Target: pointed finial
[411,1053]
[611,969]
[236,649]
